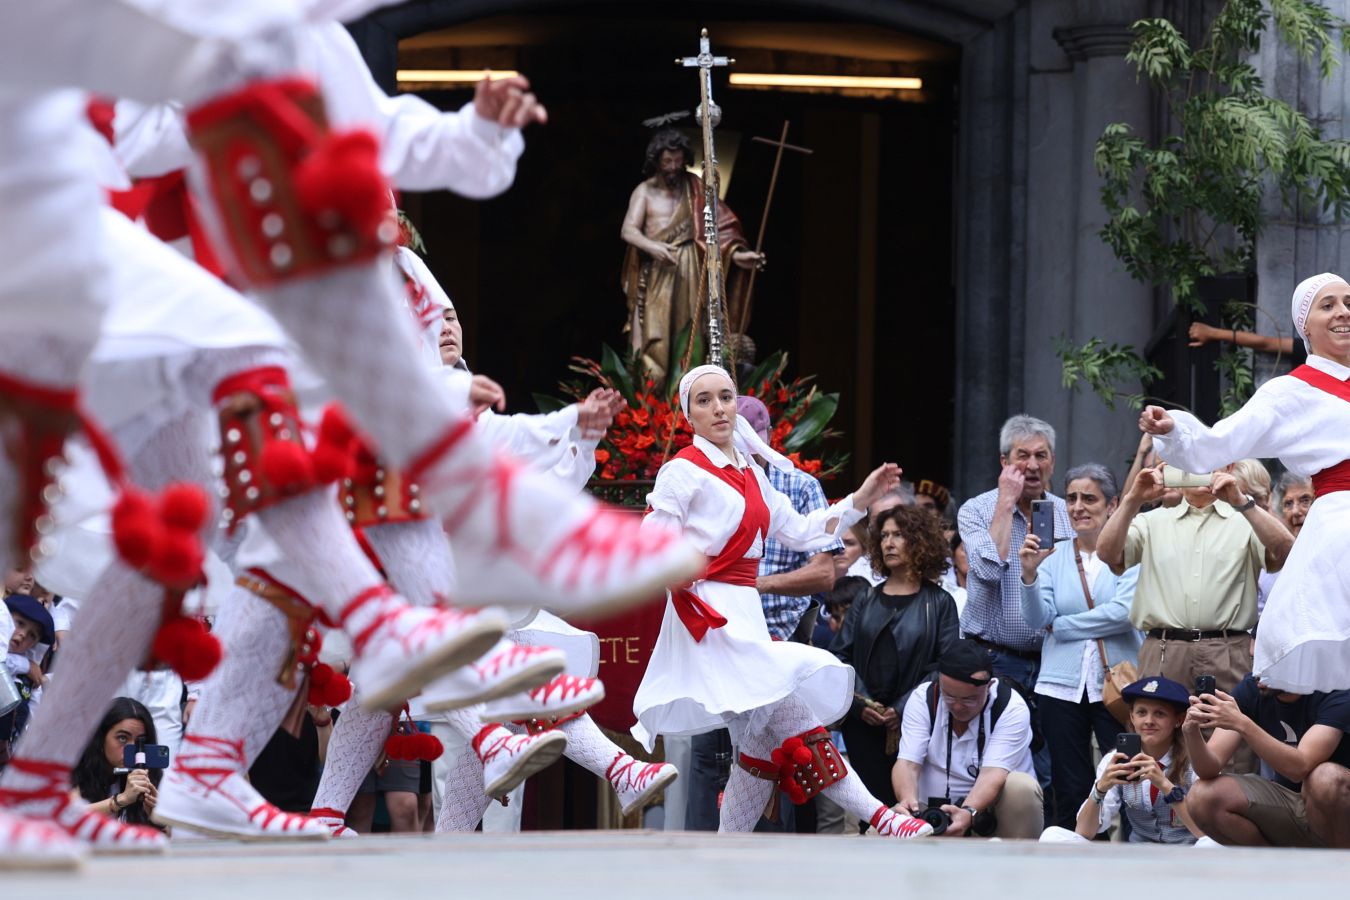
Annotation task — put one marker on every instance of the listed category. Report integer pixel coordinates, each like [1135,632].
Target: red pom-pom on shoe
[187,647]
[320,675]
[778,756]
[335,428]
[287,466]
[331,463]
[201,656]
[137,529]
[184,506]
[342,175]
[337,691]
[801,756]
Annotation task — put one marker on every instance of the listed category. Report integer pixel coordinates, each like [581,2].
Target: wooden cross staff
[782,145]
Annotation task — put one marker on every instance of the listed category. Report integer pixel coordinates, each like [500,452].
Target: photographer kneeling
[965,748]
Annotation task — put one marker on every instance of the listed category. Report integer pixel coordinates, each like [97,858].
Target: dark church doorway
[858,289]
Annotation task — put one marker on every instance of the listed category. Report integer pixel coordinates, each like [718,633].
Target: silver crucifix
[708,118]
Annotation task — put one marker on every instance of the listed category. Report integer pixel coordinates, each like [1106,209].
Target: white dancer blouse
[714,664]
[1303,643]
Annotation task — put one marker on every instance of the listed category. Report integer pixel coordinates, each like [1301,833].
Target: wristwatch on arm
[1251,501]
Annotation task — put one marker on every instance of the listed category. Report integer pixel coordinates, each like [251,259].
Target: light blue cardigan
[1056,598]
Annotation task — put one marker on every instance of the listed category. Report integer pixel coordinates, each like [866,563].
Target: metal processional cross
[708,114]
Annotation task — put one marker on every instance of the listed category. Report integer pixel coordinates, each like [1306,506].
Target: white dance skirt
[1303,641]
[691,687]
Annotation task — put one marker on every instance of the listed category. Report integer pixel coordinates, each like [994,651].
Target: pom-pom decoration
[287,466]
[342,176]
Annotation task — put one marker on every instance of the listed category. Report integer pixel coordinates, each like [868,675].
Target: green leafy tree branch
[1188,207]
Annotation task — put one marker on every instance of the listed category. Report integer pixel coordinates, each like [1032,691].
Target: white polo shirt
[1006,745]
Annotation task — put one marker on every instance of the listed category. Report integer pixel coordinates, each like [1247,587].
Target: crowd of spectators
[1097,684]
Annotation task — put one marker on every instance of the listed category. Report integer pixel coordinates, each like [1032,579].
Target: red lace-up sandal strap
[487,745]
[268,818]
[514,655]
[630,768]
[54,786]
[377,594]
[210,761]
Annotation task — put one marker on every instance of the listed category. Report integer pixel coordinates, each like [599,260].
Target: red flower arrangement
[652,428]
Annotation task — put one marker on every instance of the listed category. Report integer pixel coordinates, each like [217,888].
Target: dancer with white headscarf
[714,664]
[1304,419]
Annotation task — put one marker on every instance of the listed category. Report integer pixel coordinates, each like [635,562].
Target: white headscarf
[1304,295]
[744,438]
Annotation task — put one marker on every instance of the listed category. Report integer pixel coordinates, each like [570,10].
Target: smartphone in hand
[1043,522]
[1129,745]
[1204,684]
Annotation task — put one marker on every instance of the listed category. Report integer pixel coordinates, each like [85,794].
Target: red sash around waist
[731,565]
[1337,477]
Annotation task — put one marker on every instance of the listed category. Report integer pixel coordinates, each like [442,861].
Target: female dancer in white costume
[1304,419]
[714,664]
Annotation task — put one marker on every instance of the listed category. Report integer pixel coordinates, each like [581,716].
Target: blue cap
[33,610]
[1157,687]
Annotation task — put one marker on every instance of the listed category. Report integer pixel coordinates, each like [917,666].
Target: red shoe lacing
[600,537]
[227,756]
[337,819]
[488,748]
[510,658]
[889,823]
[603,535]
[54,793]
[564,686]
[265,816]
[637,782]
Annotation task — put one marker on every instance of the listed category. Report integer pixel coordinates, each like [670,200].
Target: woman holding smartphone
[1149,788]
[1085,608]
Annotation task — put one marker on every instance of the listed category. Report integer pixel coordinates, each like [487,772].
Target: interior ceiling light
[854,82]
[451,76]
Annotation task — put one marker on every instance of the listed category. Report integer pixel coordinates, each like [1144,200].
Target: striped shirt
[782,613]
[994,586]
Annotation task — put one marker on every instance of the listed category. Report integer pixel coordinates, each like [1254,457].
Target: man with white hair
[993,525]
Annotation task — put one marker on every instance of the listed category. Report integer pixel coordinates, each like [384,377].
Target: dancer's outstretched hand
[885,477]
[1155,420]
[484,393]
[508,102]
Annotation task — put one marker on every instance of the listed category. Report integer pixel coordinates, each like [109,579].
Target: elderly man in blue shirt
[993,527]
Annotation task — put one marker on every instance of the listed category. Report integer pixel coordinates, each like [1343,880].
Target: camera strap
[979,748]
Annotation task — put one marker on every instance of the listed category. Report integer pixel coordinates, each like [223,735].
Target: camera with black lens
[984,823]
[935,815]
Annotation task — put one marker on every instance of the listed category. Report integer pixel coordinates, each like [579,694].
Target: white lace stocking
[416,559]
[588,747]
[358,737]
[242,700]
[350,319]
[464,802]
[322,559]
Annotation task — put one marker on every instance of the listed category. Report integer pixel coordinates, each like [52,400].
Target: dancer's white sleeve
[155,50]
[421,148]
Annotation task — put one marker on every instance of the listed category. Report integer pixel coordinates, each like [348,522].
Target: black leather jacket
[921,630]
